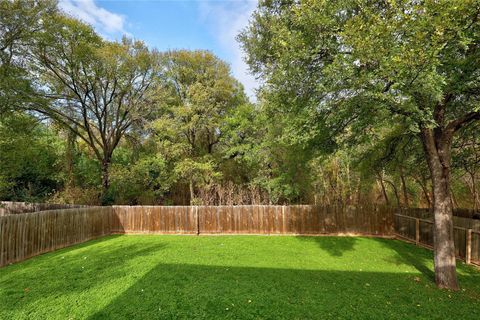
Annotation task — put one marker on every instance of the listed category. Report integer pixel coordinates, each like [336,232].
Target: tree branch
[461,122]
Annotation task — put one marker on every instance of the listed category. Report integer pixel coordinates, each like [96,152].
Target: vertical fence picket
[468,247]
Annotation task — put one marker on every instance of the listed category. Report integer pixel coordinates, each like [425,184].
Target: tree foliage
[96,89]
[19,22]
[356,67]
[30,159]
[199,94]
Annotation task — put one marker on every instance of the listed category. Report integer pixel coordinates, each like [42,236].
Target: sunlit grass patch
[237,277]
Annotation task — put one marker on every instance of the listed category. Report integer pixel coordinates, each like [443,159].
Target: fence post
[417,231]
[468,253]
[198,220]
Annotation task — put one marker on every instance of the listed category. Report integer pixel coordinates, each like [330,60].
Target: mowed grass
[235,277]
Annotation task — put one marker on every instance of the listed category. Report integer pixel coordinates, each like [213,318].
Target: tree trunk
[425,192]
[105,181]
[453,199]
[192,192]
[473,190]
[444,249]
[404,188]
[384,190]
[395,192]
[359,191]
[437,150]
[70,154]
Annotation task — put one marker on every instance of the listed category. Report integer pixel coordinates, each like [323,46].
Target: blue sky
[174,24]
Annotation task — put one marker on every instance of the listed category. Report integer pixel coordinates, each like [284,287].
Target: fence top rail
[431,222]
[59,211]
[206,206]
[256,205]
[414,218]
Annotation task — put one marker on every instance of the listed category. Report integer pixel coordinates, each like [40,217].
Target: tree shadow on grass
[69,270]
[180,291]
[409,254]
[335,246]
[159,290]
[421,258]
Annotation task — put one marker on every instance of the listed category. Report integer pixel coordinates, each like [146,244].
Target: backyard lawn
[236,277]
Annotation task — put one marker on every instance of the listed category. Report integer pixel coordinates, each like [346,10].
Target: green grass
[234,277]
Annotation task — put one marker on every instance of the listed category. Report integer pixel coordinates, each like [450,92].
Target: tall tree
[197,95]
[97,89]
[352,64]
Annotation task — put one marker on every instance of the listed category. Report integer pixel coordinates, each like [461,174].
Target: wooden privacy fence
[464,218]
[25,235]
[253,220]
[155,219]
[420,231]
[29,234]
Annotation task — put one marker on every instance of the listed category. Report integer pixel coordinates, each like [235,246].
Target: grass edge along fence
[26,235]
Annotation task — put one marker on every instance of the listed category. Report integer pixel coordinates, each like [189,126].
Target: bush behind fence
[11,207]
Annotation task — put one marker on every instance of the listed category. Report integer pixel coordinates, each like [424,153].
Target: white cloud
[107,23]
[227,19]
